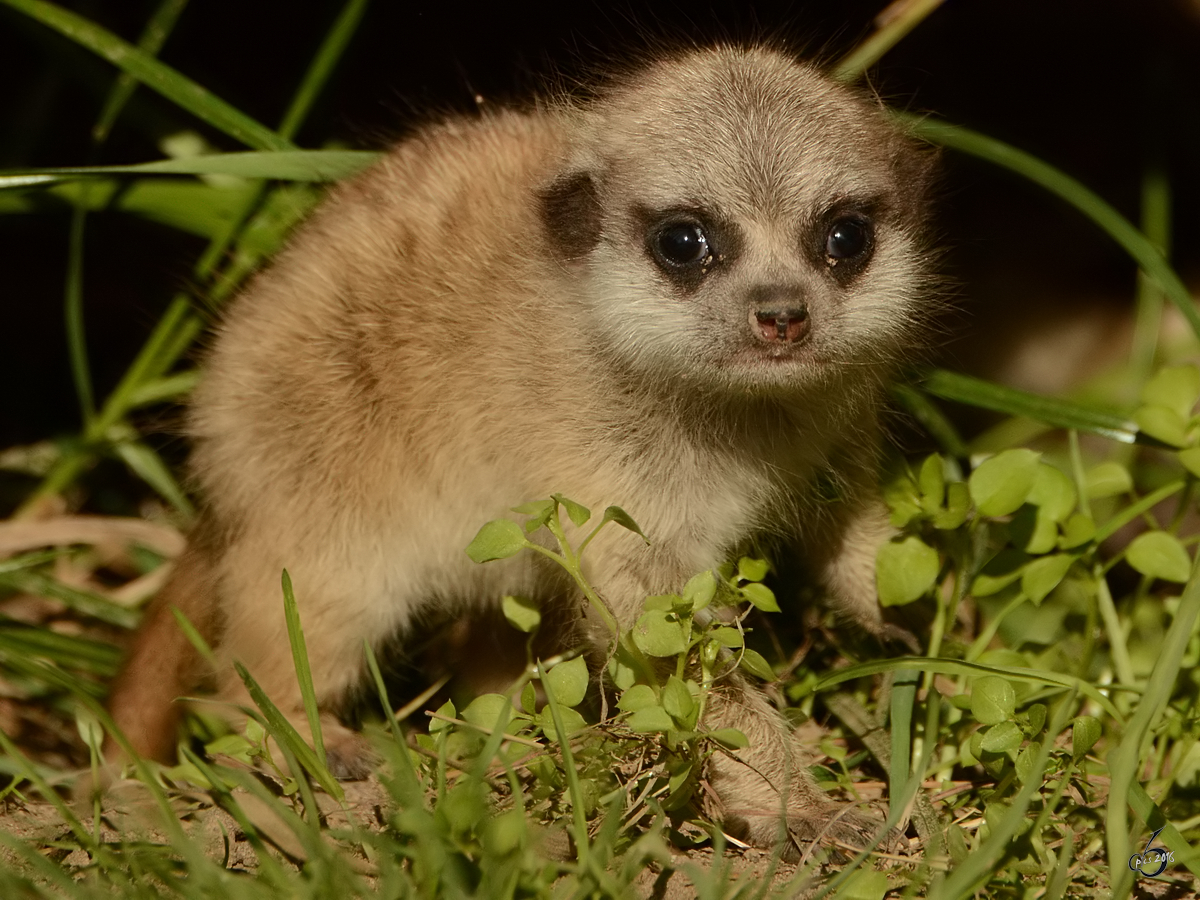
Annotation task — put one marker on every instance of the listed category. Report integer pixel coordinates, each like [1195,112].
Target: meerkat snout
[683,296]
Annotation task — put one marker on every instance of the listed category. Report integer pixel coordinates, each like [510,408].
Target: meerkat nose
[783,325]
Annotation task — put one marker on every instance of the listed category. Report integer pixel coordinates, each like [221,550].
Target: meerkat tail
[162,664]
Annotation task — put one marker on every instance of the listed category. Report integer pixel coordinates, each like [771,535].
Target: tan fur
[477,321]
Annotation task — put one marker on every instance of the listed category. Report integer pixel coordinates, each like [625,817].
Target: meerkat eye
[681,244]
[848,238]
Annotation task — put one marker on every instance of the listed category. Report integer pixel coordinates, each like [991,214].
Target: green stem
[1131,512]
[890,32]
[1120,229]
[1156,223]
[1122,664]
[989,631]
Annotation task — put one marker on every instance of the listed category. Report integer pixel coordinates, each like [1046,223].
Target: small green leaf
[761,596]
[568,681]
[865,884]
[1002,738]
[993,700]
[905,570]
[649,719]
[188,772]
[999,572]
[987,585]
[539,512]
[1085,732]
[1023,764]
[903,501]
[749,569]
[677,700]
[679,777]
[1042,576]
[700,590]
[974,748]
[622,518]
[932,482]
[1035,719]
[637,697]
[1002,483]
[522,613]
[663,602]
[1191,460]
[1159,555]
[484,711]
[1162,423]
[1174,387]
[1078,530]
[234,745]
[754,663]
[506,832]
[958,505]
[446,709]
[622,668]
[572,722]
[727,637]
[529,698]
[1107,480]
[1033,531]
[1053,493]
[576,512]
[498,539]
[730,738]
[658,633]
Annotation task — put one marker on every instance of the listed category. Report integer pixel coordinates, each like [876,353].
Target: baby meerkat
[683,297]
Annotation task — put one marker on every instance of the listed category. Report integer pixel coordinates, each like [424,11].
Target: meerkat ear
[571,214]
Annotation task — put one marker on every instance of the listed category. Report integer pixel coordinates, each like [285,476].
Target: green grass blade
[29,560]
[1066,188]
[279,165]
[573,786]
[287,736]
[1156,224]
[1138,509]
[303,671]
[146,365]
[1147,810]
[269,868]
[148,466]
[162,389]
[889,33]
[84,602]
[195,638]
[322,66]
[73,316]
[932,419]
[67,651]
[1061,413]
[904,695]
[155,75]
[972,670]
[152,38]
[1124,759]
[154,35]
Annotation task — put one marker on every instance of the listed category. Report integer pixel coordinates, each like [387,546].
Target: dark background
[1096,87]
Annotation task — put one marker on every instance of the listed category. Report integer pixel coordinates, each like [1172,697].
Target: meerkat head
[736,220]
